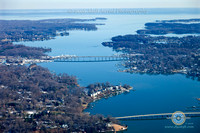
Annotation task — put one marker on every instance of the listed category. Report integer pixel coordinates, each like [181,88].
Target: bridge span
[74,58]
[156,116]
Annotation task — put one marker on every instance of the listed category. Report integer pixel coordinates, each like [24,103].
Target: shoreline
[115,127]
[118,127]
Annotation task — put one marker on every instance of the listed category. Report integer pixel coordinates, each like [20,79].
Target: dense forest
[33,99]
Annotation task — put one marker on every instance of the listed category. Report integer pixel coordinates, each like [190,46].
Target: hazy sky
[60,4]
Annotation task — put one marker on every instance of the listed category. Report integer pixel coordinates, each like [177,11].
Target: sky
[62,4]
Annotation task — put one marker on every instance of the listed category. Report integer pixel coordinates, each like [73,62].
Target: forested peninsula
[34,99]
[162,54]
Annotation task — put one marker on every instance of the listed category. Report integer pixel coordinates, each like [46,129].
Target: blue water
[154,93]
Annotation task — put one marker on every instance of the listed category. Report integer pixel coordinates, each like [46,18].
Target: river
[154,93]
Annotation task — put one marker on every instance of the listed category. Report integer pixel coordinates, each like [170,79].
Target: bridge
[156,116]
[74,58]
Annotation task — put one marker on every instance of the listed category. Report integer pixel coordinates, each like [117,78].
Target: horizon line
[103,8]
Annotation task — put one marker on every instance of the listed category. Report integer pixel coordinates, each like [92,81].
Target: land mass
[33,30]
[179,26]
[32,99]
[37,30]
[160,54]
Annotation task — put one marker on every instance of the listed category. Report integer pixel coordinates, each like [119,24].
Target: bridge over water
[74,58]
[156,116]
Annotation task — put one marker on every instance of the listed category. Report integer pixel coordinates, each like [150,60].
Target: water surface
[154,93]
